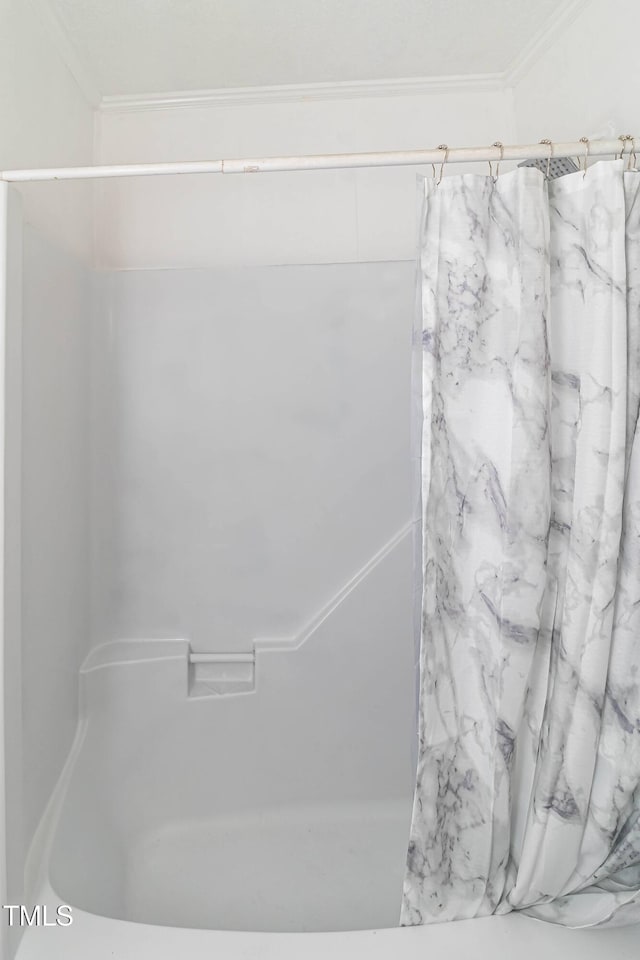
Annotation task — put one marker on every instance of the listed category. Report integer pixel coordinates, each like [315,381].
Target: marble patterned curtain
[528,781]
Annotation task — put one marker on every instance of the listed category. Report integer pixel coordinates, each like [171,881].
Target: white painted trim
[302,92]
[563,16]
[48,21]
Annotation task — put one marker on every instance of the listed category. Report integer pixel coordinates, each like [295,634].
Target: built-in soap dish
[221,674]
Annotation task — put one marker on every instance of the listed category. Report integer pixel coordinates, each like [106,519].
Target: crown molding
[48,21]
[563,16]
[303,92]
[566,12]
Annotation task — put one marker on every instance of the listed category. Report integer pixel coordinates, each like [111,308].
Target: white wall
[586,77]
[329,216]
[583,78]
[44,121]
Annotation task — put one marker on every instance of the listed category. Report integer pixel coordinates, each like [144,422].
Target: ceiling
[146,47]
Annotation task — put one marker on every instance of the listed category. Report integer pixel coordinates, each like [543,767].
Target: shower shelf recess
[229,673]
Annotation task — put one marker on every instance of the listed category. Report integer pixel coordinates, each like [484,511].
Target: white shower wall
[56,334]
[251,445]
[44,120]
[46,583]
[255,452]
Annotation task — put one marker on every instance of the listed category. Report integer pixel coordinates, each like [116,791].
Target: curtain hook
[549,143]
[497,143]
[632,153]
[433,170]
[443,146]
[585,140]
[623,140]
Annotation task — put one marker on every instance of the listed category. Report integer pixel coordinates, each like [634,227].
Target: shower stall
[209,472]
[235,794]
[192,465]
[210,439]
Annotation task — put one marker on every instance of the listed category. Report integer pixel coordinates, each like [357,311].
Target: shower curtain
[528,781]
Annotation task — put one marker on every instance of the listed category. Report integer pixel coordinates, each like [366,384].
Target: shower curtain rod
[334,161]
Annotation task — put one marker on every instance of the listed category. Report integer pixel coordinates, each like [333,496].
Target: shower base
[491,938]
[287,869]
[270,825]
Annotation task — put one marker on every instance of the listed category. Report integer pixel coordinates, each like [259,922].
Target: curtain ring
[497,143]
[585,140]
[549,143]
[444,147]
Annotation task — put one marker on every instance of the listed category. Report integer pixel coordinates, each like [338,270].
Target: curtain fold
[528,776]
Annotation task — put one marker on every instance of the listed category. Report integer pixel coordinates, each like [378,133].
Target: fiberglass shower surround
[209,795]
